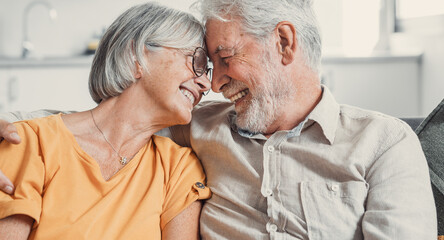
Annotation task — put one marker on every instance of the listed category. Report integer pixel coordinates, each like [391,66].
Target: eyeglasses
[202,65]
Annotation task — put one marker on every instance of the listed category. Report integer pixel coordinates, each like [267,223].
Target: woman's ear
[287,41]
[138,73]
[138,70]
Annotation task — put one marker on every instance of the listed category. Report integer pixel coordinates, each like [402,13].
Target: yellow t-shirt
[62,188]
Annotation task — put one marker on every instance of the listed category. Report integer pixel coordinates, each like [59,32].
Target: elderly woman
[102,174]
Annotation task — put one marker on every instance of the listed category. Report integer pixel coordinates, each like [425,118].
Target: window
[425,16]
[413,8]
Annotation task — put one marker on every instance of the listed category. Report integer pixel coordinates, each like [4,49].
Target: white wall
[433,71]
[432,74]
[79,20]
[76,24]
[431,43]
[329,14]
[70,33]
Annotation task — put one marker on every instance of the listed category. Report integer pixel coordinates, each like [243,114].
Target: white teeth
[188,94]
[239,95]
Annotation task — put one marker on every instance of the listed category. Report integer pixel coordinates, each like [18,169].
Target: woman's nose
[204,83]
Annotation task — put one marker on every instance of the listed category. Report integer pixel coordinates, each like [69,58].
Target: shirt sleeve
[185,183]
[23,164]
[400,202]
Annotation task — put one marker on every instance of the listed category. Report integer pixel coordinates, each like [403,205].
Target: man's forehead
[222,36]
[218,29]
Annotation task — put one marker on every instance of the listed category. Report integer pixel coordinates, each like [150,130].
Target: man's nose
[220,78]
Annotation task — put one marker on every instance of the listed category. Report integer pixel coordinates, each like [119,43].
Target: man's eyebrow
[218,49]
[221,48]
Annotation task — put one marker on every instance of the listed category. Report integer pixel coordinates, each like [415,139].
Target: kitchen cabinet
[387,84]
[3,90]
[28,88]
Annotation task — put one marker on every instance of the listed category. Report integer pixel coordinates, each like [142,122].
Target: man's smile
[239,95]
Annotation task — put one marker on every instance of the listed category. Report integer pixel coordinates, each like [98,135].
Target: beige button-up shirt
[344,173]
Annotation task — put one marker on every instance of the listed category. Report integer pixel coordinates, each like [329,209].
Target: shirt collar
[244,133]
[326,114]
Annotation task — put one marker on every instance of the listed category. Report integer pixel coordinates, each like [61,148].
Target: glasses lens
[200,62]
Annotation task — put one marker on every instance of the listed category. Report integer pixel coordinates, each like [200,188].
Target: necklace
[123,160]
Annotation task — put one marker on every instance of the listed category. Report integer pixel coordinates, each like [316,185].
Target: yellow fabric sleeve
[185,184]
[23,164]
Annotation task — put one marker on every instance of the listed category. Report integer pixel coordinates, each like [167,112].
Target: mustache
[233,87]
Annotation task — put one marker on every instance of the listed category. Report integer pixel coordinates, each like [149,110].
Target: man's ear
[287,41]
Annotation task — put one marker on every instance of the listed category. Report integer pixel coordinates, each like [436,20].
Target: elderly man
[283,159]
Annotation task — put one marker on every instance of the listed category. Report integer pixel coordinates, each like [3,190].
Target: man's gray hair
[260,17]
[149,26]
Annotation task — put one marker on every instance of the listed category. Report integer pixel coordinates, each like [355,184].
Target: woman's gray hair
[149,26]
[260,17]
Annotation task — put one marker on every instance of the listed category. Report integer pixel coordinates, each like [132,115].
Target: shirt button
[270,148]
[200,185]
[268,192]
[335,187]
[273,228]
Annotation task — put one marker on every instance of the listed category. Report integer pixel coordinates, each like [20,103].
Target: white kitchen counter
[86,60]
[329,58]
[73,61]
[51,83]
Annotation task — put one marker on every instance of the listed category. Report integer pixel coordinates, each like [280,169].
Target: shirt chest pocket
[334,210]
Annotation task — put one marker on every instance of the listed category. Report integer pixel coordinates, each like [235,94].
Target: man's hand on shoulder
[8,132]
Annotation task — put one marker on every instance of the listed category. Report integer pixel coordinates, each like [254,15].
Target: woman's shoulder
[165,144]
[40,125]
[172,154]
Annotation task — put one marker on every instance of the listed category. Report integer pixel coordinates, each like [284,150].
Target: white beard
[265,106]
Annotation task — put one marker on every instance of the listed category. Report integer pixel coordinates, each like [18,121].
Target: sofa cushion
[431,135]
[413,122]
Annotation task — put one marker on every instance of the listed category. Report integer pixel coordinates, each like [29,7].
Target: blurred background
[383,55]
